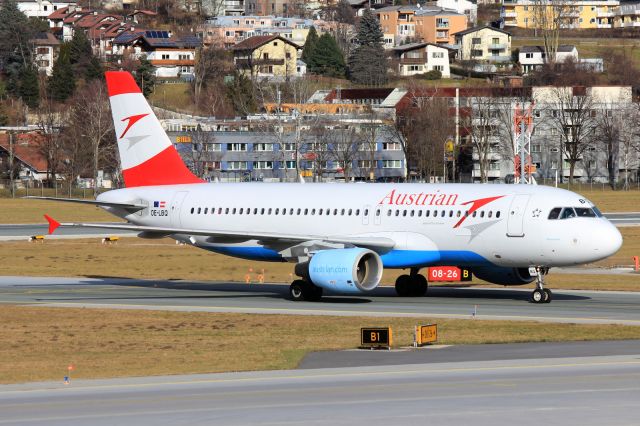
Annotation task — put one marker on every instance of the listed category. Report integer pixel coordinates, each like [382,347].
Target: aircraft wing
[127,206]
[374,243]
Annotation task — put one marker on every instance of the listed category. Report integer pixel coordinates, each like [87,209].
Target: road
[487,303]
[578,391]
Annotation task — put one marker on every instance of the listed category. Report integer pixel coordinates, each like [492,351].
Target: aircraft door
[365,215]
[176,208]
[515,220]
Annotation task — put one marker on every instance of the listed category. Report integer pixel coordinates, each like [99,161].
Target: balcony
[509,14]
[172,62]
[604,26]
[498,46]
[258,62]
[499,58]
[605,14]
[442,25]
[413,61]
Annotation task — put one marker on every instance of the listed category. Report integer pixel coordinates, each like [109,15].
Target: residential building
[360,5]
[229,30]
[627,15]
[280,147]
[533,57]
[426,24]
[485,44]
[27,152]
[46,51]
[464,7]
[172,56]
[271,57]
[419,58]
[571,14]
[42,8]
[273,7]
[491,108]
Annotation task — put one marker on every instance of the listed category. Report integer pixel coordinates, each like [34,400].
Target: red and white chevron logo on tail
[133,119]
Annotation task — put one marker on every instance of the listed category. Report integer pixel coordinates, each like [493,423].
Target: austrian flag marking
[159,204]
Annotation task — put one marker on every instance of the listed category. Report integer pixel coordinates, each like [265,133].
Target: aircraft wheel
[403,285]
[547,295]
[300,290]
[420,285]
[537,296]
[296,290]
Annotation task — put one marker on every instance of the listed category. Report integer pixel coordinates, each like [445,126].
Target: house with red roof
[268,56]
[172,56]
[28,157]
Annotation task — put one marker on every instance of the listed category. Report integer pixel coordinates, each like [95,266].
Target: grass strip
[38,343]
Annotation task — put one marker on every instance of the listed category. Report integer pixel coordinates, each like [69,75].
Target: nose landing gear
[541,294]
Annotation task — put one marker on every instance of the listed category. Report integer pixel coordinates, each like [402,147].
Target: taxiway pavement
[446,302]
[585,391]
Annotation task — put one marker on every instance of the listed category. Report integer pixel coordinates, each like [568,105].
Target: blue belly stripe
[392,259]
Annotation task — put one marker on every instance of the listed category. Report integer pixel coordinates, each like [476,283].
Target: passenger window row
[570,212]
[277,211]
[335,212]
[441,213]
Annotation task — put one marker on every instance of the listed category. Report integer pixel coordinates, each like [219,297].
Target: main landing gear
[300,290]
[412,285]
[541,294]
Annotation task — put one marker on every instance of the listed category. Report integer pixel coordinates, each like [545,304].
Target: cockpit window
[597,212]
[585,212]
[555,213]
[567,213]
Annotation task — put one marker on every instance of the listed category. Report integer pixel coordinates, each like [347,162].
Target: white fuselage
[506,225]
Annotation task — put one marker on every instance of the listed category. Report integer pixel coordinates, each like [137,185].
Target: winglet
[53,224]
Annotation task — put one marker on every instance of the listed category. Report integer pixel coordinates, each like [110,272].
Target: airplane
[341,236]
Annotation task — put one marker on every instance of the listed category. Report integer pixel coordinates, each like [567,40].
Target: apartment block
[573,14]
[426,24]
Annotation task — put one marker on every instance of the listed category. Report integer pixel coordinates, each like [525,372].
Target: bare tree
[91,114]
[50,118]
[480,124]
[427,127]
[574,118]
[212,64]
[549,17]
[609,128]
[343,148]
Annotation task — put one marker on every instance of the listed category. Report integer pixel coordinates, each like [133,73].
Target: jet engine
[504,276]
[352,270]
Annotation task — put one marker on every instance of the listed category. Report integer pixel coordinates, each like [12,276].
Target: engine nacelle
[504,276]
[353,270]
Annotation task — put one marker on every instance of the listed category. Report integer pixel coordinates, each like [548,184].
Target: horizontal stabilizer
[127,206]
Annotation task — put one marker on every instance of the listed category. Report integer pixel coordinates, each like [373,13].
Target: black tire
[297,291]
[403,285]
[314,293]
[548,296]
[420,285]
[537,296]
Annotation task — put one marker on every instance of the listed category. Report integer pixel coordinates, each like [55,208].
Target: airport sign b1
[376,337]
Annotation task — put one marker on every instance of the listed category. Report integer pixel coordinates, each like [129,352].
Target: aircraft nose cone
[608,239]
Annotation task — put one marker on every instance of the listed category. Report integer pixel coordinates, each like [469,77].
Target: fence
[37,188]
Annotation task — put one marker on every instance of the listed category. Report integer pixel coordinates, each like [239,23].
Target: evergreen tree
[368,61]
[16,50]
[29,87]
[309,45]
[62,82]
[145,77]
[240,94]
[327,58]
[94,70]
[4,118]
[80,52]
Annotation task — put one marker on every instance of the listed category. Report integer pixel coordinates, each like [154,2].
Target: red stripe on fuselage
[120,82]
[166,168]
